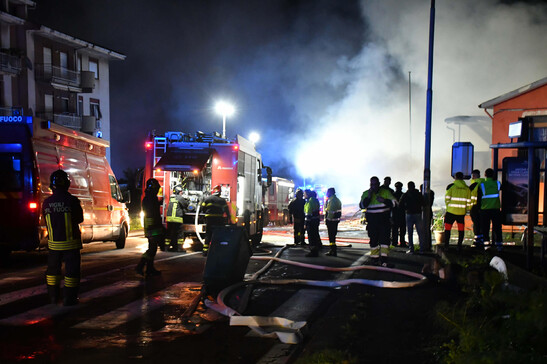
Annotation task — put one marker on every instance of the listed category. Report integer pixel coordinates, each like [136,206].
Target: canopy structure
[183,160]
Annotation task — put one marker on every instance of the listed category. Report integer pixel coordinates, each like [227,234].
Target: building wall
[533,102]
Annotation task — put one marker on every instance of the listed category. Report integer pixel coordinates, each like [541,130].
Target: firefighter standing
[175,212]
[488,197]
[474,208]
[296,211]
[378,202]
[311,210]
[216,212]
[63,213]
[457,199]
[398,223]
[333,212]
[153,228]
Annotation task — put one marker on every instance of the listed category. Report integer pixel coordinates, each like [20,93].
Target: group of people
[304,212]
[482,200]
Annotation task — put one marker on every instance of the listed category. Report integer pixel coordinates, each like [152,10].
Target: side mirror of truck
[126,197]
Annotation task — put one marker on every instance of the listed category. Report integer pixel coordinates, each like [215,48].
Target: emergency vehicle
[198,162]
[277,200]
[30,150]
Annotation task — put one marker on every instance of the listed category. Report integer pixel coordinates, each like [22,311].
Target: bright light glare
[224,108]
[254,137]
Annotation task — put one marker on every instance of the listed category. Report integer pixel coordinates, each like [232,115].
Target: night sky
[325,83]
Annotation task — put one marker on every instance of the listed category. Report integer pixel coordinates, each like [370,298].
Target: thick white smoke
[482,50]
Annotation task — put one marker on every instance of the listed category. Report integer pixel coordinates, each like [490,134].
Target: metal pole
[223,125]
[427,162]
[409,115]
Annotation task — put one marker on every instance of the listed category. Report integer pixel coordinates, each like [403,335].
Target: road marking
[131,311]
[49,311]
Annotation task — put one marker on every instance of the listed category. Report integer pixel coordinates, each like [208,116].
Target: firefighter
[333,212]
[296,211]
[63,213]
[217,213]
[457,199]
[488,198]
[474,208]
[174,217]
[398,227]
[153,228]
[311,210]
[378,202]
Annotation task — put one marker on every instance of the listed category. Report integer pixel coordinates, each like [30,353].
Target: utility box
[227,259]
[462,159]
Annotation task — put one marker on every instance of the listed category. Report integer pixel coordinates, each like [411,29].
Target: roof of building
[82,45]
[513,94]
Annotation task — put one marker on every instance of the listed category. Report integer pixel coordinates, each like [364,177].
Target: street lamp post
[225,109]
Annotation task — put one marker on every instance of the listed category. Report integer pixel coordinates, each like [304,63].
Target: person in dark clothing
[217,213]
[398,218]
[153,228]
[175,212]
[412,202]
[63,213]
[297,217]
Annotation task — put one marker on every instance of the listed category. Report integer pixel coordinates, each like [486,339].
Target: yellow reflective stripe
[53,280]
[72,281]
[457,205]
[64,245]
[101,208]
[49,229]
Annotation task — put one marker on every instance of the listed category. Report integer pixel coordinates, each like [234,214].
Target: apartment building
[52,76]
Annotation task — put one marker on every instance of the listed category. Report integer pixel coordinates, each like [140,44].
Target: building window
[94,67]
[80,105]
[95,109]
[64,104]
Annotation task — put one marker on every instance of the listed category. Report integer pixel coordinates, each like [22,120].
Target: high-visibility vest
[474,187]
[333,210]
[457,198]
[375,206]
[490,198]
[174,210]
[311,209]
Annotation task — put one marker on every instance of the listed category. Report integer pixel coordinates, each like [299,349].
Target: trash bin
[227,259]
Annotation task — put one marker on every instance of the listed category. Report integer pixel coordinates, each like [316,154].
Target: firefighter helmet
[152,185]
[177,189]
[59,180]
[216,190]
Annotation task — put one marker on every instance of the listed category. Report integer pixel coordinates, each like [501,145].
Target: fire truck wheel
[120,243]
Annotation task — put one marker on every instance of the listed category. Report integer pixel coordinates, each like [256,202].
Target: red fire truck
[200,161]
[277,200]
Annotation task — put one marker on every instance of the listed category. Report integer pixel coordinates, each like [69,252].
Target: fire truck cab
[200,161]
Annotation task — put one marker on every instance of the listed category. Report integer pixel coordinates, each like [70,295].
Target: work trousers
[211,223]
[398,227]
[494,216]
[378,229]
[415,220]
[72,260]
[299,231]
[475,214]
[153,243]
[175,234]
[332,228]
[312,226]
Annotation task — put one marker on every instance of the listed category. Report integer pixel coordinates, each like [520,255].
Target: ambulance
[30,150]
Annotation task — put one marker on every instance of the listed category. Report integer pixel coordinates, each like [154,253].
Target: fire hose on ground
[286,330]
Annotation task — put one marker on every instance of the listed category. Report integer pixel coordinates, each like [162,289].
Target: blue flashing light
[99,134]
[11,148]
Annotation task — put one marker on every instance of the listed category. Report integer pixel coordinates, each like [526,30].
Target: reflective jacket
[311,209]
[474,188]
[216,207]
[175,209]
[63,214]
[489,194]
[457,198]
[152,219]
[333,210]
[369,201]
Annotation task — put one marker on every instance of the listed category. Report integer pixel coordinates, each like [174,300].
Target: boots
[140,267]
[150,270]
[54,293]
[70,296]
[446,238]
[332,251]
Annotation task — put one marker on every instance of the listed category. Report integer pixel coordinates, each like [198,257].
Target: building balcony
[9,64]
[10,111]
[65,79]
[65,119]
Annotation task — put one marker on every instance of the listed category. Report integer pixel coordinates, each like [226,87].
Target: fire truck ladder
[160,146]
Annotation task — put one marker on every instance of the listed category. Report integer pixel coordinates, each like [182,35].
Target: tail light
[236,147]
[32,206]
[148,145]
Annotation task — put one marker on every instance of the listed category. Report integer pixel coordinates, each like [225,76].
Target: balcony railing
[10,64]
[68,120]
[48,72]
[10,111]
